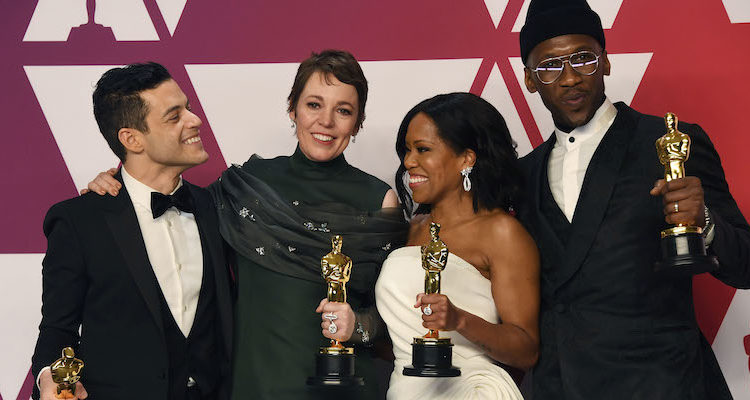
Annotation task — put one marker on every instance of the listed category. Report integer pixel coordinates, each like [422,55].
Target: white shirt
[174,249]
[571,155]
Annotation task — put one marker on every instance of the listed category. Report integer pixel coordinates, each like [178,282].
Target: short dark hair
[466,121]
[338,63]
[118,103]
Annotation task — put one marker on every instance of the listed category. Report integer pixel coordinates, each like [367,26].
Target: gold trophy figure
[334,365]
[673,149]
[66,372]
[434,260]
[336,269]
[432,355]
[682,247]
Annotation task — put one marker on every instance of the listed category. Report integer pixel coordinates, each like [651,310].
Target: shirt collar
[139,192]
[596,127]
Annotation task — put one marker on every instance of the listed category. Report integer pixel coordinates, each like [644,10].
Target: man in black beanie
[611,327]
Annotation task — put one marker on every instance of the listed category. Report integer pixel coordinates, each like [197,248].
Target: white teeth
[417,179]
[192,140]
[322,138]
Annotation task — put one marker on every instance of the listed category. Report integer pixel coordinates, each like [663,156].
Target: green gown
[277,330]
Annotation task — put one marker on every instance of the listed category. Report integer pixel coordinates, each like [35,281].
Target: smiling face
[173,137]
[326,115]
[573,98]
[433,167]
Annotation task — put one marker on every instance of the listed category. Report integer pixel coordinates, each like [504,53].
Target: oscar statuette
[66,371]
[683,251]
[431,355]
[334,365]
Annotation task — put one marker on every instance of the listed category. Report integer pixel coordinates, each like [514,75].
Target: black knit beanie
[550,18]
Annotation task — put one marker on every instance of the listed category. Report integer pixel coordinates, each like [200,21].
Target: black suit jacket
[97,276]
[610,327]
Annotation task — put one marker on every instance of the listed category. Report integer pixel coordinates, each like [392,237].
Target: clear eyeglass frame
[580,61]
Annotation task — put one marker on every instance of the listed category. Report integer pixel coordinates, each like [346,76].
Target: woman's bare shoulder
[502,229]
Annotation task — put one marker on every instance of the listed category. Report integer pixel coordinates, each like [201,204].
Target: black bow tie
[181,200]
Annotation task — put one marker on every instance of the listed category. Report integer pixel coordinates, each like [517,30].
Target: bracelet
[709,226]
[362,332]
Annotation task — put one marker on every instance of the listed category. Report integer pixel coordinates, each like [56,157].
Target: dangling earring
[354,138]
[467,182]
[294,125]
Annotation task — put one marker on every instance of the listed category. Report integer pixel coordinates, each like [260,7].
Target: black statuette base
[432,360]
[685,255]
[334,370]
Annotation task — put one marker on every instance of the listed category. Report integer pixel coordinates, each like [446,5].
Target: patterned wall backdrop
[236,60]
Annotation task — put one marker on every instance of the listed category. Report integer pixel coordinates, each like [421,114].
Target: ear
[605,63]
[469,158]
[528,79]
[131,139]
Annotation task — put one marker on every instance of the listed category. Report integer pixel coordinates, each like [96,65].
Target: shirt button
[179,267]
[571,139]
[184,308]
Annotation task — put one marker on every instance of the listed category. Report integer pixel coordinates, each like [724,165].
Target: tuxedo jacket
[97,276]
[611,328]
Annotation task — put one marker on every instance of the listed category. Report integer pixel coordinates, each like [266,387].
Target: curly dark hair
[466,121]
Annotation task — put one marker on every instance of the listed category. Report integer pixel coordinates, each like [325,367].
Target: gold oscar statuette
[66,371]
[683,250]
[432,355]
[434,260]
[336,269]
[674,149]
[334,364]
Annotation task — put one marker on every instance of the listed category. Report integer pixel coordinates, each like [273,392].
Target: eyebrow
[172,109]
[576,50]
[320,98]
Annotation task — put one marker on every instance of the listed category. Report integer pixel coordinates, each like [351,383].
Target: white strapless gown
[401,279]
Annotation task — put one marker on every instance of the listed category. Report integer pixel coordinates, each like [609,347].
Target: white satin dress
[401,279]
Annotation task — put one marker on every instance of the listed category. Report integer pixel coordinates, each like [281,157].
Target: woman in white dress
[463,173]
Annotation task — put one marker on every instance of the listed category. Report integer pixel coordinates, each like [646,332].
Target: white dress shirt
[571,155]
[174,250]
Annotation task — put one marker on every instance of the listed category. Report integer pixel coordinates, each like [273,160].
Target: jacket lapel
[537,187]
[598,184]
[211,242]
[123,223]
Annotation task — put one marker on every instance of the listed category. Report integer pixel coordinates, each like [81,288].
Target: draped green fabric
[279,215]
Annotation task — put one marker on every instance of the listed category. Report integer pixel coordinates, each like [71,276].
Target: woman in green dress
[278,216]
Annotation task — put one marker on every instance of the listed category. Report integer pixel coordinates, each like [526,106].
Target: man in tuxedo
[611,327]
[142,275]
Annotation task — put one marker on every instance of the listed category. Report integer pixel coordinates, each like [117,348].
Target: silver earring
[467,182]
[294,125]
[354,138]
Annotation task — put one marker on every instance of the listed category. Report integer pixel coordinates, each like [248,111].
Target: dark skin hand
[687,193]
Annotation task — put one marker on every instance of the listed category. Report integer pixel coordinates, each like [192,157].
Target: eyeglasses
[584,62]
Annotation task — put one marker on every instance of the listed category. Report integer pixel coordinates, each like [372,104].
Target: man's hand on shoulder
[47,388]
[682,199]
